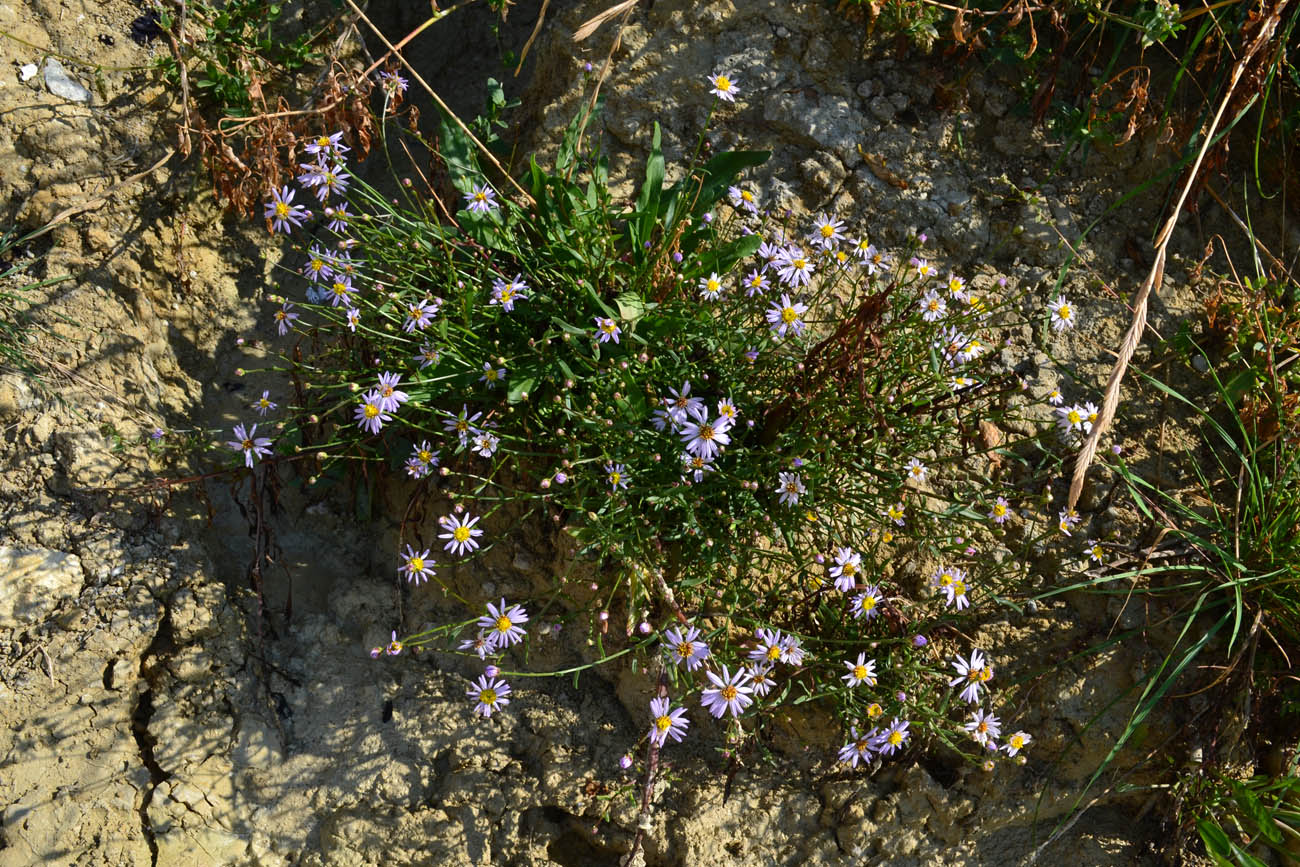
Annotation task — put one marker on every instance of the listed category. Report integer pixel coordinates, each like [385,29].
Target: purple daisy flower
[666,723]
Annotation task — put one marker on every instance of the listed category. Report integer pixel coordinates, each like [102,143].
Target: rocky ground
[143,721]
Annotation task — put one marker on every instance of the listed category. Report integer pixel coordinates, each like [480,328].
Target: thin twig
[442,105]
[1154,278]
[96,201]
[1277,263]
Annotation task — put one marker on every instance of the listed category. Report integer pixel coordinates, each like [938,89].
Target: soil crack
[151,664]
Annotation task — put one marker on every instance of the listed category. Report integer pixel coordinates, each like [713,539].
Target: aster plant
[763,429]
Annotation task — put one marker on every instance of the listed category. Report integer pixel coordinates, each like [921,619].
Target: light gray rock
[829,121]
[63,85]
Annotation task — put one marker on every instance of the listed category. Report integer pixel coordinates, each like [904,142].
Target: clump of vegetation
[767,436]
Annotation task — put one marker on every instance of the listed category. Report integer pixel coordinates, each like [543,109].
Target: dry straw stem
[442,105]
[589,27]
[1259,245]
[94,202]
[1111,399]
[532,37]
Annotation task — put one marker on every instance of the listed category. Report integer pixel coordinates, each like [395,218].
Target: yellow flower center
[722,83]
[788,315]
[461,534]
[663,723]
[417,564]
[706,432]
[1064,311]
[874,710]
[860,672]
[827,230]
[282,209]
[480,196]
[490,373]
[959,588]
[868,603]
[895,738]
[503,624]
[999,510]
[371,410]
[615,478]
[1017,742]
[248,444]
[487,696]
[425,456]
[773,653]
[747,195]
[323,141]
[849,569]
[685,649]
[1074,417]
[729,692]
[713,285]
[800,264]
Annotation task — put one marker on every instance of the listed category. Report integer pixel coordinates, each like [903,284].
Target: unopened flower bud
[491,671]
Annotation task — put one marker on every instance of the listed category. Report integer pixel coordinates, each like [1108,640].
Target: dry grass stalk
[1111,399]
[442,105]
